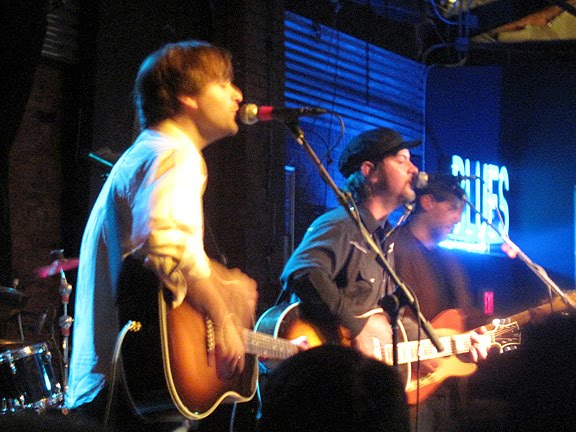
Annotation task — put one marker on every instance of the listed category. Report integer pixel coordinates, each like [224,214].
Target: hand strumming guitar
[228,298]
[229,348]
[239,292]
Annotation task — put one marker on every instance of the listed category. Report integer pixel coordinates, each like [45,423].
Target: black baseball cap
[372,145]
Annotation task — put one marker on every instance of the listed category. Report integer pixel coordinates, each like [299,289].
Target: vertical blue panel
[463,115]
[367,85]
[463,118]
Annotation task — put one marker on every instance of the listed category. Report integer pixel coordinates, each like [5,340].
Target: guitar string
[426,348]
[270,343]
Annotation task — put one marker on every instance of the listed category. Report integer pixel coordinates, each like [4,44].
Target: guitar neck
[264,345]
[501,332]
[409,352]
[525,317]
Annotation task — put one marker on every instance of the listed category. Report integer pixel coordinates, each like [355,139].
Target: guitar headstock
[506,335]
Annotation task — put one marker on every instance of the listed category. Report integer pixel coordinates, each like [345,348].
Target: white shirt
[150,205]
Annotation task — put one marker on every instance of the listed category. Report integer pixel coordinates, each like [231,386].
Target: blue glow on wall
[366,85]
[462,137]
[370,87]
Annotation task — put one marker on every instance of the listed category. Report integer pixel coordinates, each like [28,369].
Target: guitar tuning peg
[510,347]
[500,321]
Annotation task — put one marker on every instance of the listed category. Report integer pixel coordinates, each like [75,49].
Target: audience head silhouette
[333,388]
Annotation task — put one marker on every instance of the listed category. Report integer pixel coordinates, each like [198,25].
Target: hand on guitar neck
[481,343]
[375,333]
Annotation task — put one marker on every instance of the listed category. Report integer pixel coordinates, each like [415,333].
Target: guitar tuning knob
[510,347]
[500,321]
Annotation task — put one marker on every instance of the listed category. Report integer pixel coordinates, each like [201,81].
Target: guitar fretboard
[268,346]
[409,352]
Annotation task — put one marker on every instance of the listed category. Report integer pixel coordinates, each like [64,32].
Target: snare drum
[27,380]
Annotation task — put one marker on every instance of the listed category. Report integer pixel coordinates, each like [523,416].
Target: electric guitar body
[287,321]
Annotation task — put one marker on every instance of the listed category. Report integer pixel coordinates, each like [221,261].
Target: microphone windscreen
[248,114]
[420,180]
[265,113]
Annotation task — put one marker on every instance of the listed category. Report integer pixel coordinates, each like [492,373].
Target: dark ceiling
[455,31]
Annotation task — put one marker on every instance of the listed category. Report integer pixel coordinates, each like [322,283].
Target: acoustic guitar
[286,321]
[170,365]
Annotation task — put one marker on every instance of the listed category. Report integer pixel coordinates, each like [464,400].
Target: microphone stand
[408,208]
[65,321]
[402,295]
[535,268]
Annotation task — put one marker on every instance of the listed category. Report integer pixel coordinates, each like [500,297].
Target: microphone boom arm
[537,269]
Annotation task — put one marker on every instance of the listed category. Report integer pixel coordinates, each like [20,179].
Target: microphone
[420,181]
[461,177]
[252,113]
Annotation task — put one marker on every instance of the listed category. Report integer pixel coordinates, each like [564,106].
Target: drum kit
[28,382]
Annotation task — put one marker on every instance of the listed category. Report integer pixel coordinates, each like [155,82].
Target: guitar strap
[386,244]
[211,245]
[286,297]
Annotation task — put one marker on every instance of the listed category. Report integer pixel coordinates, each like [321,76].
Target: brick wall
[35,186]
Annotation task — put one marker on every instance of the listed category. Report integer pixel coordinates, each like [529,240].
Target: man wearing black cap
[333,271]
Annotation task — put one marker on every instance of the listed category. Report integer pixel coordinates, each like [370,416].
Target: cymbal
[55,267]
[11,297]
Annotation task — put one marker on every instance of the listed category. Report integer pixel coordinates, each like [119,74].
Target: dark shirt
[334,272]
[435,275]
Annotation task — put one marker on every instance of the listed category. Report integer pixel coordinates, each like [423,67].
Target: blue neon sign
[487,195]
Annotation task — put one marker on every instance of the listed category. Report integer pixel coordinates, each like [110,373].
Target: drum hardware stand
[65,320]
[15,284]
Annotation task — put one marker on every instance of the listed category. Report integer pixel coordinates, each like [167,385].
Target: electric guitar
[170,364]
[286,321]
